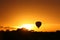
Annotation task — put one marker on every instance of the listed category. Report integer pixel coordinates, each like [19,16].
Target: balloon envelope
[38,24]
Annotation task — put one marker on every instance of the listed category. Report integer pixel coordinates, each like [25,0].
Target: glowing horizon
[33,27]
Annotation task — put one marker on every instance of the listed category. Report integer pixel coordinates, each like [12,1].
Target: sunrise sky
[19,12]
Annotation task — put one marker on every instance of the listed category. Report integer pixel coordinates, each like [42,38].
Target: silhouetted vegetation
[29,35]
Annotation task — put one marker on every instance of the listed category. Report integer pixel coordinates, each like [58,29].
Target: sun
[27,26]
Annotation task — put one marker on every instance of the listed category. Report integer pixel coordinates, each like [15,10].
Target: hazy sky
[16,13]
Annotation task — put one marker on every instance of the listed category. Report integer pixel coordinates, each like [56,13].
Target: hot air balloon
[38,24]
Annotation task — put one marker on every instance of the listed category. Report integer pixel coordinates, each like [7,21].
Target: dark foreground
[28,35]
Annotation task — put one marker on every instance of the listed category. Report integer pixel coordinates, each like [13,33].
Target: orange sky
[16,13]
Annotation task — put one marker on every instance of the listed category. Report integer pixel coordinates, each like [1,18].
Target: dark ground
[28,35]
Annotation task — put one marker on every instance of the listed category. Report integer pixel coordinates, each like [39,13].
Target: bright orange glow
[24,13]
[27,26]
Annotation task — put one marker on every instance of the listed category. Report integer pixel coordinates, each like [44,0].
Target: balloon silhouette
[38,24]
